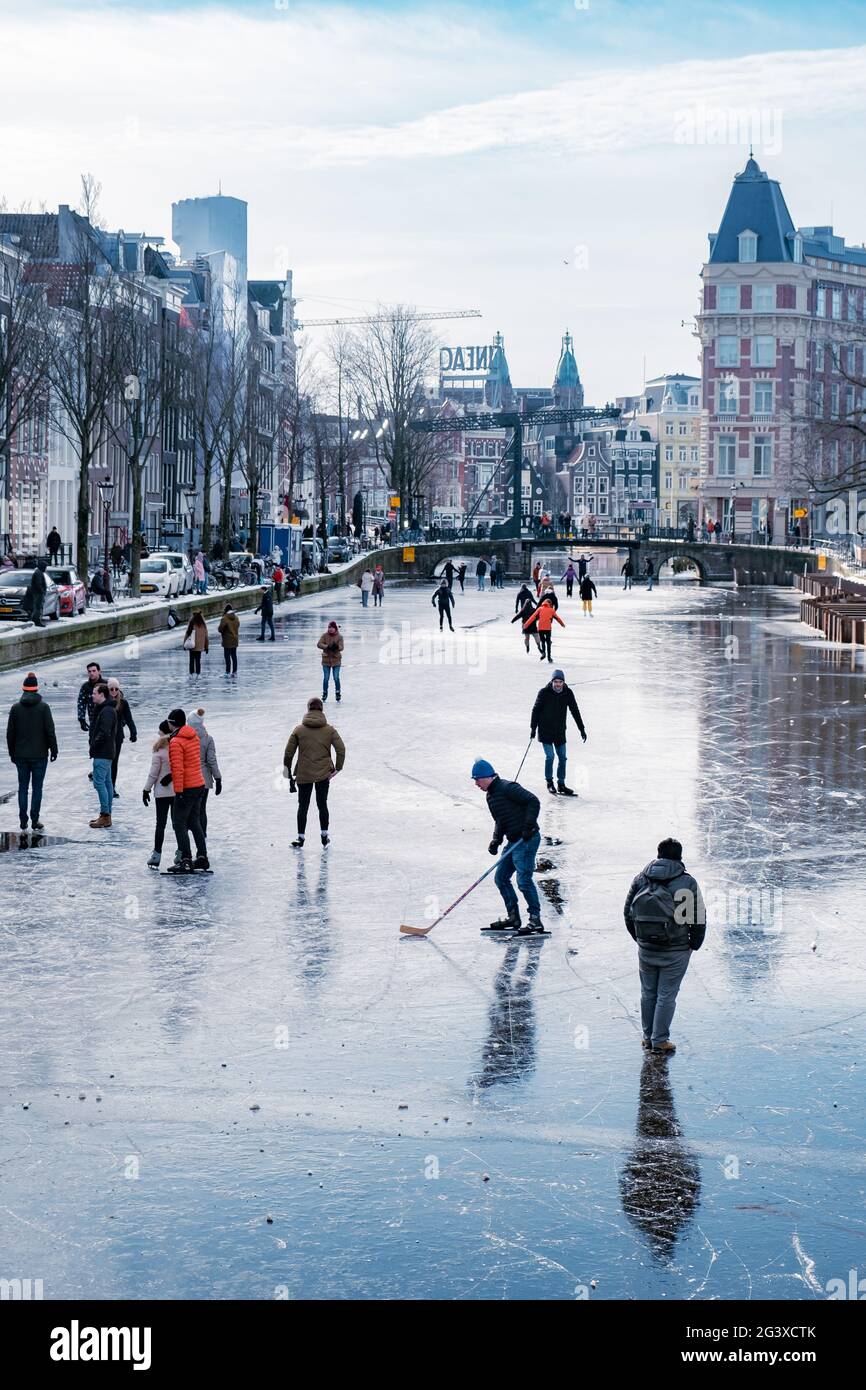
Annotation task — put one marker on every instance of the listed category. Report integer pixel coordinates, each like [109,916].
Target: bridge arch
[662,556]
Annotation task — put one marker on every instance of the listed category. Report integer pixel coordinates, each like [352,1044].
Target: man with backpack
[665,914]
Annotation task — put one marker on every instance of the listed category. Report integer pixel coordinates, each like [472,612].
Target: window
[602,487]
[819,398]
[762,457]
[682,455]
[550,445]
[849,401]
[669,453]
[727,455]
[763,398]
[694,454]
[590,468]
[748,246]
[602,506]
[727,351]
[591,451]
[819,356]
[837,304]
[821,303]
[537,506]
[834,402]
[852,361]
[763,351]
[852,307]
[669,429]
[684,429]
[728,299]
[669,481]
[729,397]
[764,299]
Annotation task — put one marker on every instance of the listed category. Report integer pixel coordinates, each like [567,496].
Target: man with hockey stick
[515,813]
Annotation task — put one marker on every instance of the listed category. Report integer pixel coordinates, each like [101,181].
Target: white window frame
[760,348]
[747,244]
[723,348]
[726,450]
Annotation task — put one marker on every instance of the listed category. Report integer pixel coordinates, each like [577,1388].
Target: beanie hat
[315,703]
[177,718]
[558,675]
[30,682]
[482,768]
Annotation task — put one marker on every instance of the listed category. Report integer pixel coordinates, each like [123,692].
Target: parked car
[338,549]
[183,569]
[312,556]
[159,576]
[13,587]
[72,590]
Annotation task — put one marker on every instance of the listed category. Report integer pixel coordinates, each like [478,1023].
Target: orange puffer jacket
[184,754]
[544,616]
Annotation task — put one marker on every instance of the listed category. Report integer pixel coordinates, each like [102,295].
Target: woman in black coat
[526,608]
[124,718]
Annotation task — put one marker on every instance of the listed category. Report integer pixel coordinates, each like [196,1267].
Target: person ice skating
[449,571]
[543,617]
[159,782]
[312,740]
[210,768]
[31,741]
[199,573]
[266,608]
[330,645]
[366,586]
[53,544]
[480,575]
[548,592]
[526,606]
[536,577]
[461,575]
[378,586]
[588,591]
[184,755]
[569,577]
[665,914]
[278,577]
[124,720]
[196,641]
[229,632]
[548,719]
[515,813]
[84,706]
[583,564]
[445,599]
[103,745]
[649,571]
[34,597]
[627,573]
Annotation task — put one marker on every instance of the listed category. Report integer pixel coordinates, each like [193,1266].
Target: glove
[532,733]
[83,723]
[145,796]
[583,735]
[493,847]
[166,780]
[54,757]
[133,738]
[293,786]
[218,785]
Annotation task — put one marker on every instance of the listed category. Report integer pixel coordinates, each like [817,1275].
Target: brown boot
[664,1049]
[102,822]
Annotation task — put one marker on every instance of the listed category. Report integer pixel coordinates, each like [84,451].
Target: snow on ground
[452,1117]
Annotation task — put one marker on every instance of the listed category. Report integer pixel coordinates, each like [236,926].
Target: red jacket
[184,754]
[544,616]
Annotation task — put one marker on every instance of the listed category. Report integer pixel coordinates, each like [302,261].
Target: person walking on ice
[543,617]
[649,571]
[330,645]
[312,740]
[445,599]
[665,914]
[587,592]
[159,783]
[515,814]
[627,573]
[548,719]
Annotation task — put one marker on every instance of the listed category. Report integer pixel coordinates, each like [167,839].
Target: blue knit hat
[482,768]
[558,675]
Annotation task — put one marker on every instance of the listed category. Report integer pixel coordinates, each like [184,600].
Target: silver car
[14,585]
[182,568]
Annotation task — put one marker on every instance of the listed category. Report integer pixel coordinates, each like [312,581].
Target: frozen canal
[183,1059]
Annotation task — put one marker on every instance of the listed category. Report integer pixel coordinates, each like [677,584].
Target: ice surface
[735,1169]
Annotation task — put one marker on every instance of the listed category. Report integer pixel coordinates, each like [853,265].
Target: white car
[182,568]
[159,576]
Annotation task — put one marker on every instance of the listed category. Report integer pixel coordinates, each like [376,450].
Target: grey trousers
[661,974]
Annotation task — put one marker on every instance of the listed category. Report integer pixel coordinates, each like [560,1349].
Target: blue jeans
[649,581]
[560,750]
[521,861]
[365,597]
[481,581]
[661,974]
[326,676]
[30,768]
[102,784]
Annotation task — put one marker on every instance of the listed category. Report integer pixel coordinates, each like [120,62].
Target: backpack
[654,911]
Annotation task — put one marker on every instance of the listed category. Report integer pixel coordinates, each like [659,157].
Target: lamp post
[190,495]
[106,493]
[734,487]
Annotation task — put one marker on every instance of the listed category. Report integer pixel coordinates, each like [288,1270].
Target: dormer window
[798,249]
[748,242]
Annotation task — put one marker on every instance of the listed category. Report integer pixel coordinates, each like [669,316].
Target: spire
[567,390]
[497,387]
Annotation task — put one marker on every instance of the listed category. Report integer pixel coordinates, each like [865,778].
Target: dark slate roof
[755,204]
[155,265]
[269,295]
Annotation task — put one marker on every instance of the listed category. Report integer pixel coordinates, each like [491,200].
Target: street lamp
[734,487]
[190,495]
[106,493]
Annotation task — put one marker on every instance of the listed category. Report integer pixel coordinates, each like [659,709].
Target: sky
[556,165]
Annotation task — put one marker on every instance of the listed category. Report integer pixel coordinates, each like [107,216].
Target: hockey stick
[423,931]
[522,760]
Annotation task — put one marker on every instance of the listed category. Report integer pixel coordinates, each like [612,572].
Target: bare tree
[82,351]
[261,427]
[212,391]
[830,442]
[229,388]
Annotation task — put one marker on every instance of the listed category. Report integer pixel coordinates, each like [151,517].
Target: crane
[381,318]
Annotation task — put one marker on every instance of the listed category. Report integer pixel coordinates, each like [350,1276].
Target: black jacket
[38,583]
[514,809]
[481,567]
[550,714]
[84,709]
[103,731]
[672,873]
[523,594]
[587,588]
[443,596]
[30,730]
[525,612]
[266,607]
[124,716]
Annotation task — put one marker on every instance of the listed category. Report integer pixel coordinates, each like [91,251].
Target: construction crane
[382,318]
[516,420]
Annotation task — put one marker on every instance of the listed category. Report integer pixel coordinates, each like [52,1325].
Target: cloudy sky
[556,164]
